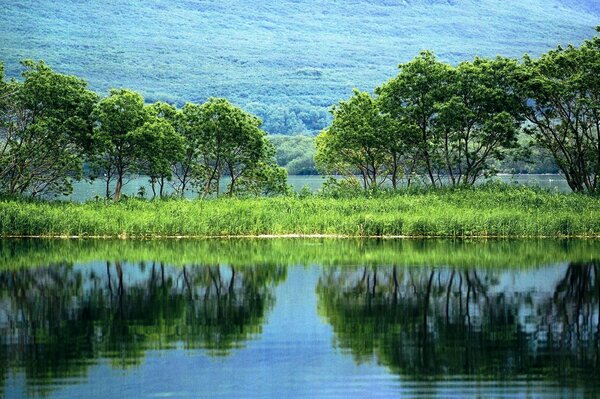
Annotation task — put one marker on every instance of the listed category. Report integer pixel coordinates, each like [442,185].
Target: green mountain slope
[285,60]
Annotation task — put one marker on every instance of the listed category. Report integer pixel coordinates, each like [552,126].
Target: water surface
[299,318]
[85,190]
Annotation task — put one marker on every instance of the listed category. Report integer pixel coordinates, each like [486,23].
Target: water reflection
[467,323]
[451,318]
[56,321]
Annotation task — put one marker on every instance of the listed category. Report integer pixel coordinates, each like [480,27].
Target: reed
[488,211]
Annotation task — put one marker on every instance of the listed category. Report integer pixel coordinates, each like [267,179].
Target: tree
[478,120]
[356,141]
[266,178]
[119,137]
[457,121]
[190,168]
[163,148]
[167,147]
[232,144]
[411,98]
[45,127]
[561,100]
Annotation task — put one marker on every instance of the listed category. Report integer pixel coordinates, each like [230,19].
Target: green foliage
[288,57]
[492,210]
[164,148]
[231,143]
[122,137]
[356,141]
[561,100]
[45,127]
[295,153]
[264,179]
[463,119]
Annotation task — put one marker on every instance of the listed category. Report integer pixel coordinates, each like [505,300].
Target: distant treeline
[434,122]
[454,124]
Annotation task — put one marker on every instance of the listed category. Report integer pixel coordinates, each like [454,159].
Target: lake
[85,190]
[299,318]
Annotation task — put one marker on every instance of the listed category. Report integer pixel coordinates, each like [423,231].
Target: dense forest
[285,61]
[433,123]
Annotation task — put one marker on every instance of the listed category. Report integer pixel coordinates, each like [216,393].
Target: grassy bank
[494,211]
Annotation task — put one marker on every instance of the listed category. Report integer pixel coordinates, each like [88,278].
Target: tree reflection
[57,320]
[431,322]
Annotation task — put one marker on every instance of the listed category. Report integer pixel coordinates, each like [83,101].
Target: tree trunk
[118,187]
[152,183]
[107,188]
[161,185]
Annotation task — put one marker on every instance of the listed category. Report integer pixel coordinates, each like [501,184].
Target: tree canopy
[45,128]
[561,102]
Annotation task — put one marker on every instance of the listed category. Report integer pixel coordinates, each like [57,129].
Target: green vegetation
[50,124]
[488,211]
[439,322]
[295,153]
[434,123]
[563,89]
[285,61]
[45,128]
[453,125]
[494,253]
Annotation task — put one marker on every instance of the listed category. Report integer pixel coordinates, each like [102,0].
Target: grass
[488,211]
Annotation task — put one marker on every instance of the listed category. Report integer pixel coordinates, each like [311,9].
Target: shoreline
[302,236]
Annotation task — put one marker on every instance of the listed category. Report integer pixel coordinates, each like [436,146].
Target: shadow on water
[434,311]
[439,323]
[58,320]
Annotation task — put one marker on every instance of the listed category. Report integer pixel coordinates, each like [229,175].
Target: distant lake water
[85,190]
[299,318]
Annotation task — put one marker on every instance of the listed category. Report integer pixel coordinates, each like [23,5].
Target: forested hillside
[286,61]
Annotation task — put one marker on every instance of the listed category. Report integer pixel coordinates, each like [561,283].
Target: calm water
[85,190]
[299,318]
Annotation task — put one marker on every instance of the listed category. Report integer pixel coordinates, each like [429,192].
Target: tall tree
[165,149]
[356,141]
[561,100]
[233,145]
[119,137]
[478,120]
[196,151]
[45,127]
[412,97]
[467,116]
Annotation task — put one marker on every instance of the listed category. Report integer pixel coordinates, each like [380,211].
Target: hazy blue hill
[286,60]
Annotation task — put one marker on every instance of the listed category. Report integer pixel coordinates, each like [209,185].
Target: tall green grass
[488,211]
